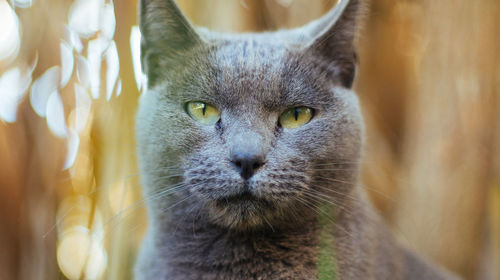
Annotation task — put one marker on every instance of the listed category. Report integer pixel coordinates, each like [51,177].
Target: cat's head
[251,128]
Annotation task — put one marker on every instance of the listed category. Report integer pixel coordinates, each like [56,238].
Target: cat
[249,149]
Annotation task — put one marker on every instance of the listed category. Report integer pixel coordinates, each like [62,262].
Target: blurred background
[70,197]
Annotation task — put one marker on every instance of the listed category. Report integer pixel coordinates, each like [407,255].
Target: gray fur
[199,226]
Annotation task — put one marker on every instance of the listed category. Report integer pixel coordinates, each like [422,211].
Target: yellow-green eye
[203,112]
[295,117]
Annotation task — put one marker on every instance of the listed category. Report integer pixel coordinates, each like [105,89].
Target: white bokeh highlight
[22,3]
[118,90]
[67,63]
[135,47]
[113,69]
[94,58]
[42,88]
[10,40]
[83,71]
[55,115]
[85,17]
[13,85]
[108,21]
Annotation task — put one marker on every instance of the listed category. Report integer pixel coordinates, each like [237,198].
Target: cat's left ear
[166,35]
[332,37]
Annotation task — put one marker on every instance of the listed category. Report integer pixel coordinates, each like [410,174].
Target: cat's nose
[247,163]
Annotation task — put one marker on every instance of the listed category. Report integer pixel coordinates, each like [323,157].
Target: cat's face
[274,128]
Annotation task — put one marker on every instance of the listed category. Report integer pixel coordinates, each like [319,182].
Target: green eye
[203,112]
[295,117]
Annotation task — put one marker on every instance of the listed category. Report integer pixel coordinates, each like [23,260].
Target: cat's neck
[185,245]
[192,245]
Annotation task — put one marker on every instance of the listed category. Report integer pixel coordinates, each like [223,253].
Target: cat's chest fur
[185,247]
[214,253]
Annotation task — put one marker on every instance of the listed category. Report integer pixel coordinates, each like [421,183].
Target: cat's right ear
[166,35]
[332,38]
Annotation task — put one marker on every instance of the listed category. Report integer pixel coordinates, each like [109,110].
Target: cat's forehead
[250,60]
[258,69]
[251,52]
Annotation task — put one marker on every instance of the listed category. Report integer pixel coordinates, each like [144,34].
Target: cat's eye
[202,112]
[295,117]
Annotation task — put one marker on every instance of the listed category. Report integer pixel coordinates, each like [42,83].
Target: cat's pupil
[203,109]
[296,114]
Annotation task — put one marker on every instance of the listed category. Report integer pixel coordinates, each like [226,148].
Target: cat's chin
[243,212]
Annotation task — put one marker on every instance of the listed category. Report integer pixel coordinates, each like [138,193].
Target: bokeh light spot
[94,56]
[66,63]
[84,17]
[13,85]
[108,21]
[55,115]
[113,68]
[83,71]
[79,255]
[9,32]
[118,88]
[42,88]
[135,47]
[22,3]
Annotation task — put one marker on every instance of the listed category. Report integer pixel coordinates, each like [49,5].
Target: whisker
[154,196]
[328,200]
[267,222]
[333,169]
[135,208]
[337,163]
[363,186]
[162,178]
[178,202]
[314,208]
[332,190]
[336,180]
[138,204]
[318,211]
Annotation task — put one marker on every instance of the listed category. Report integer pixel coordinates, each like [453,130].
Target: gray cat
[249,149]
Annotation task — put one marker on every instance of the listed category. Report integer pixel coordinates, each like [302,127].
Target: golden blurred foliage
[70,197]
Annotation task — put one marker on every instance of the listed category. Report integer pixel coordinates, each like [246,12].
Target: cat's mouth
[243,210]
[245,196]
